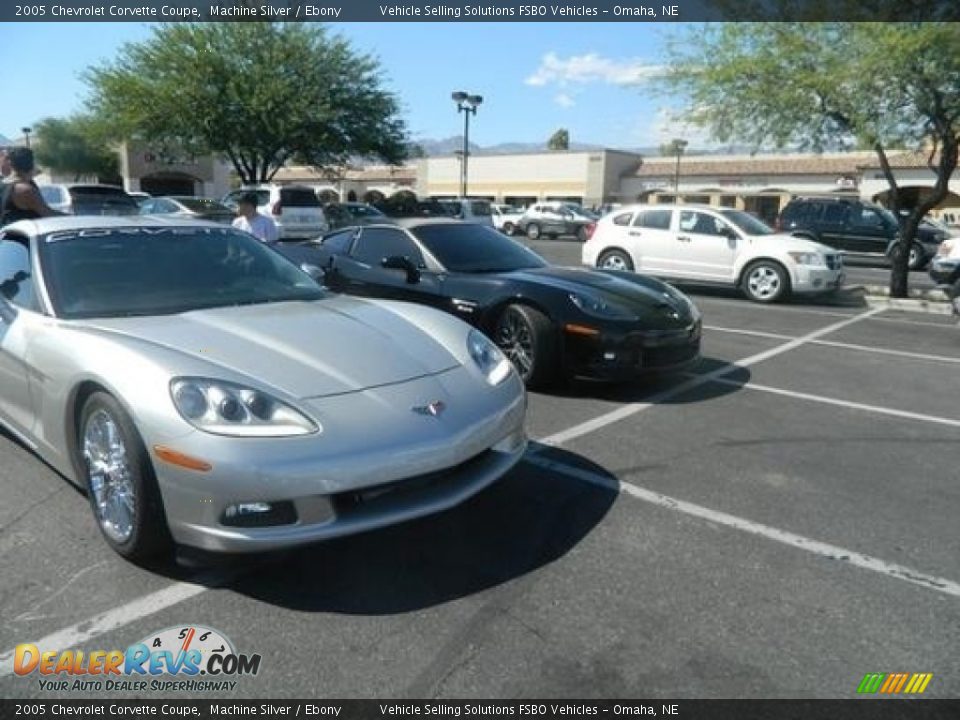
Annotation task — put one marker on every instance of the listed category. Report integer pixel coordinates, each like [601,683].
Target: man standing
[21,198]
[249,220]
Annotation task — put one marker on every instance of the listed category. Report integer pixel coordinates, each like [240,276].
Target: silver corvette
[204,390]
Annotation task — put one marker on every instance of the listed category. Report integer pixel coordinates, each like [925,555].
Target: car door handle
[683,238]
[635,233]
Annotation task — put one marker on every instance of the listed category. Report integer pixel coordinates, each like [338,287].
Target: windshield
[117,272]
[475,249]
[747,222]
[203,205]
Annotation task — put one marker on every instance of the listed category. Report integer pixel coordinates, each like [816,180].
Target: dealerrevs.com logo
[188,658]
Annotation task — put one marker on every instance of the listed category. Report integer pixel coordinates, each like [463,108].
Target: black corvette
[552,322]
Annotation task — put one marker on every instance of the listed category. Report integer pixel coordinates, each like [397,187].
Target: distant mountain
[5,141]
[451,145]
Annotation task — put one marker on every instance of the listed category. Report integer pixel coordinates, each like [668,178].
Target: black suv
[853,226]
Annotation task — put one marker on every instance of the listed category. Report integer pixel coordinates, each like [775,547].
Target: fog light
[259,514]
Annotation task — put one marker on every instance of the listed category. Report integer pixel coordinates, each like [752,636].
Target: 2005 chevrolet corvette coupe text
[205,391]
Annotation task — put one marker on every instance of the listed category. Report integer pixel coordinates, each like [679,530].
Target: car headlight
[488,358]
[807,258]
[225,408]
[598,307]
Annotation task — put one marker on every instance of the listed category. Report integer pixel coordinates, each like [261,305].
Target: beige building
[165,171]
[589,178]
[367,184]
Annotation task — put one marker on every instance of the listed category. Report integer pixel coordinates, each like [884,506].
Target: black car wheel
[615,260]
[508,228]
[527,337]
[533,231]
[120,481]
[765,281]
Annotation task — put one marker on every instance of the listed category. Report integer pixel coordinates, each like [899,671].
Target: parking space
[776,523]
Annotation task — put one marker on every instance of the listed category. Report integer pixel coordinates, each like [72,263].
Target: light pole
[679,145]
[466,104]
[26,135]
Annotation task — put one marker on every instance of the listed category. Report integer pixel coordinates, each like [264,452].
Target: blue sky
[535,77]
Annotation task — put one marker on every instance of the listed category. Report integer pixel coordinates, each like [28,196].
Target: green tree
[560,140]
[824,86]
[259,94]
[77,146]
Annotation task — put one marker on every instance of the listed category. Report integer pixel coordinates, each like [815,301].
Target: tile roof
[837,164]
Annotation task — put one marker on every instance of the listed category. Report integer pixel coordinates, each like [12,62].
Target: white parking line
[784,537]
[117,617]
[876,409]
[626,411]
[841,345]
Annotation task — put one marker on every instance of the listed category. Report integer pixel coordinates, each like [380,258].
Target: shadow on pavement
[527,520]
[653,388]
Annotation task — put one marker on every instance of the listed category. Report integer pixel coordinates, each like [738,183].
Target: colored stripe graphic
[895,683]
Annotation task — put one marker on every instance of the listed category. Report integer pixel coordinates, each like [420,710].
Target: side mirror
[730,233]
[317,273]
[400,262]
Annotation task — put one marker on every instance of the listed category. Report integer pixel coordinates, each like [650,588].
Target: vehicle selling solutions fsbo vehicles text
[456,12]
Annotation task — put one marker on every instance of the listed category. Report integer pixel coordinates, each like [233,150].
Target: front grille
[351,500]
[667,356]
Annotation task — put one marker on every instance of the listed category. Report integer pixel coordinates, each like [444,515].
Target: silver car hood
[306,349]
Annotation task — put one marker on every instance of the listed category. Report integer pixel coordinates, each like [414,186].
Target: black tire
[533,231]
[918,257]
[527,337]
[508,228]
[615,260]
[765,281]
[148,535]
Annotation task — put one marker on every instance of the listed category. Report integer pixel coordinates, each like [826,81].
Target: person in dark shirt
[21,198]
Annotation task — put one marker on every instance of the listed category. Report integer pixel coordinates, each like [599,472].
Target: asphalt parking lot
[777,523]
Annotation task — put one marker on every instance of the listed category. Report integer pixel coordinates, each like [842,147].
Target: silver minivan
[295,209]
[469,209]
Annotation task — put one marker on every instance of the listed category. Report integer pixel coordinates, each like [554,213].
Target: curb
[933,302]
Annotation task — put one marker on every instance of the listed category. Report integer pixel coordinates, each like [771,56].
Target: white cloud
[564,100]
[668,123]
[592,68]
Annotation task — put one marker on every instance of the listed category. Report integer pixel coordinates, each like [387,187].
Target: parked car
[554,219]
[295,209]
[700,243]
[205,391]
[505,217]
[188,207]
[89,199]
[339,215]
[469,209]
[945,270]
[853,226]
[552,322]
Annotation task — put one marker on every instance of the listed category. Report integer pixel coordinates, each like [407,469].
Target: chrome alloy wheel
[614,262]
[109,476]
[514,339]
[763,282]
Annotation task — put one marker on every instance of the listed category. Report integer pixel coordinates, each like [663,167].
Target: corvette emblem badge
[433,409]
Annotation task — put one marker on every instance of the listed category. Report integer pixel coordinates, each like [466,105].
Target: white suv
[296,209]
[699,243]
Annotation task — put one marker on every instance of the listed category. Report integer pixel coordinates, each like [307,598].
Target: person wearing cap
[249,220]
[21,198]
